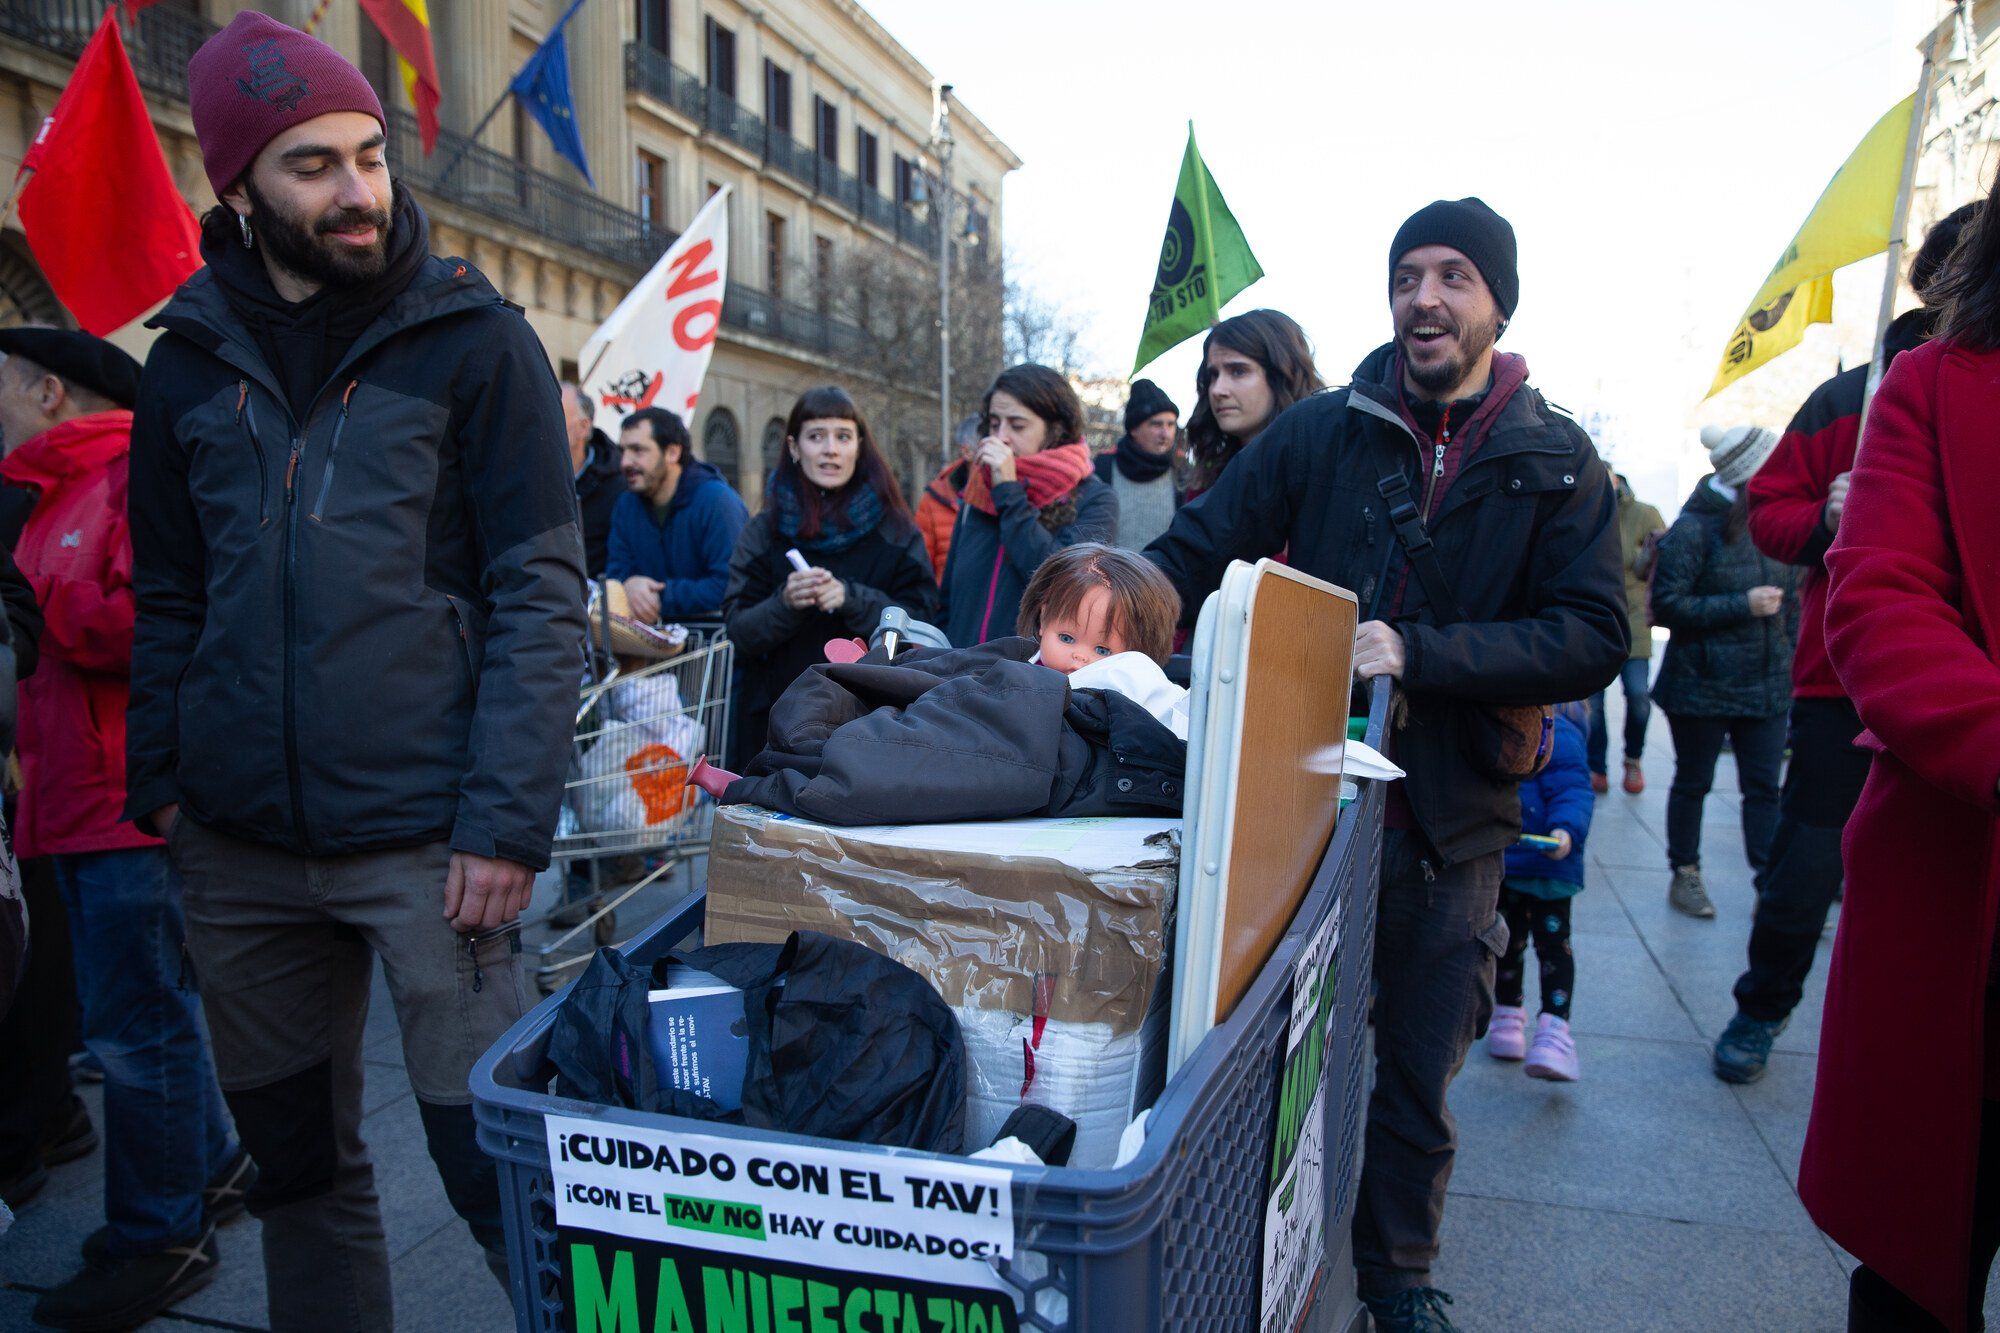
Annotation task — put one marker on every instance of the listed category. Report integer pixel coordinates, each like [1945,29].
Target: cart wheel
[606,929]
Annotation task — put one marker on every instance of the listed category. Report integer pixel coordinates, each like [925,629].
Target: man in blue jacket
[673,531]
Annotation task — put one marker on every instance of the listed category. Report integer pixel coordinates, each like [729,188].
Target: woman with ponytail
[1030,492]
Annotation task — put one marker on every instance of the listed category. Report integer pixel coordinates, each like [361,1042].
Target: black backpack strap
[1409,528]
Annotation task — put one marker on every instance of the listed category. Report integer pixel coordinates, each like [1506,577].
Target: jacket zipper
[246,417]
[332,453]
[992,592]
[464,641]
[1437,460]
[292,767]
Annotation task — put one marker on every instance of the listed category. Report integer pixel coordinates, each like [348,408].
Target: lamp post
[942,141]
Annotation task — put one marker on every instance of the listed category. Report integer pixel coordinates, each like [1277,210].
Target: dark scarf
[842,523]
[1136,465]
[303,342]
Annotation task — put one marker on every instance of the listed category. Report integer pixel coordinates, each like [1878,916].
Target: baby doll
[1104,618]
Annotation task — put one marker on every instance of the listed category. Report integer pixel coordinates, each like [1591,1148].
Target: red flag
[102,214]
[406,26]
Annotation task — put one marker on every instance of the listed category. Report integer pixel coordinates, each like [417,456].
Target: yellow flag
[1851,221]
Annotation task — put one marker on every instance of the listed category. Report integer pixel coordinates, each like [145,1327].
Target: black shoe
[224,1196]
[1415,1310]
[23,1183]
[123,1293]
[75,1137]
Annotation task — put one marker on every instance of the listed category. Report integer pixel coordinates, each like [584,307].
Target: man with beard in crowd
[360,631]
[1479,530]
[676,526]
[1141,468]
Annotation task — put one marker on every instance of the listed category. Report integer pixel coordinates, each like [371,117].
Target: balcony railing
[762,314]
[159,41]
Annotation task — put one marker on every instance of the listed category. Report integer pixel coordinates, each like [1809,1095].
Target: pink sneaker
[1553,1056]
[1507,1033]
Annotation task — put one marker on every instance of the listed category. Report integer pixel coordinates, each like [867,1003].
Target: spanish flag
[1851,221]
[406,26]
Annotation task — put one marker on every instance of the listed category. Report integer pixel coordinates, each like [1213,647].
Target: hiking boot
[226,1194]
[1599,783]
[1417,1310]
[1507,1033]
[1553,1056]
[1688,894]
[1744,1048]
[1635,778]
[75,1137]
[123,1293]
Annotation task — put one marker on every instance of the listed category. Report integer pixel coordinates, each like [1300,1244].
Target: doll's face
[1069,642]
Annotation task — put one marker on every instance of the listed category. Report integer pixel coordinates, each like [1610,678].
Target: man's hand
[998,459]
[1378,651]
[163,819]
[644,595]
[1836,500]
[1765,601]
[483,893]
[1561,835]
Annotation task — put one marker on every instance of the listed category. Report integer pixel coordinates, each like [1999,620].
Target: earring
[243,223]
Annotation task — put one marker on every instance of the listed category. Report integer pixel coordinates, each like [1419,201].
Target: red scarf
[1048,476]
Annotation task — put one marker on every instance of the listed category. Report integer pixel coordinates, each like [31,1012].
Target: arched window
[718,444]
[774,446]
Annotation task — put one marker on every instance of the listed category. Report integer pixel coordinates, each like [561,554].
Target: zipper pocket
[246,417]
[464,639]
[332,454]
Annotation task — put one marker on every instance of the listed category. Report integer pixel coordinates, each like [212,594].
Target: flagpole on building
[21,180]
[458,155]
[1892,274]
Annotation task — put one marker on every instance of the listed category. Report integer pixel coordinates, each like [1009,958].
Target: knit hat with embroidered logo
[258,78]
[1736,452]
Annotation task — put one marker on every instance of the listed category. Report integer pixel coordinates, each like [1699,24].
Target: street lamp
[942,145]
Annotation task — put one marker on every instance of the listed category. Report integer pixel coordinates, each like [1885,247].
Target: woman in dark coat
[1030,491]
[1902,1155]
[1728,668]
[834,500]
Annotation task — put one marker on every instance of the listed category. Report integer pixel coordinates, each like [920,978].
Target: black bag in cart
[844,1043]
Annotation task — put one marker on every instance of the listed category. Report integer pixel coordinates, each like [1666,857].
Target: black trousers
[40,1030]
[1799,882]
[1438,935]
[1546,920]
[1759,743]
[1874,1306]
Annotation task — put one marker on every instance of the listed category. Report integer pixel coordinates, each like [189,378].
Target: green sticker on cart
[614,1284]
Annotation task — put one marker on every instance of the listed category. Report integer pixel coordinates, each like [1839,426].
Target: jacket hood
[694,477]
[78,445]
[601,463]
[1705,499]
[1912,328]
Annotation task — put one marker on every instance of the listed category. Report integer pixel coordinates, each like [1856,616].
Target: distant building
[809,109]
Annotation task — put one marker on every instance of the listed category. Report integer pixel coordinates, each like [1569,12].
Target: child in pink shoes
[1534,898]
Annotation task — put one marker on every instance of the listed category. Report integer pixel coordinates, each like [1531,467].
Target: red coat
[1913,629]
[77,553]
[937,512]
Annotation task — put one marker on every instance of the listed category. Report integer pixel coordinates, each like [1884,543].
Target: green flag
[1204,261]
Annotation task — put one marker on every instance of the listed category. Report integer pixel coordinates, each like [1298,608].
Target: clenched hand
[483,893]
[1378,651]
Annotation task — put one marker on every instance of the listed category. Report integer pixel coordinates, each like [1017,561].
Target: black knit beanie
[1938,244]
[1475,231]
[1148,400]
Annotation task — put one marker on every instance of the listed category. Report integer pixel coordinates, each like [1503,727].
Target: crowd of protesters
[284,710]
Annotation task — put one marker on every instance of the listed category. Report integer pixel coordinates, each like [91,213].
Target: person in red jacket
[1796,502]
[1902,1155]
[937,509]
[173,1168]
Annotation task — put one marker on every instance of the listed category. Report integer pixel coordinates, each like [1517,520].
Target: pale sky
[1653,159]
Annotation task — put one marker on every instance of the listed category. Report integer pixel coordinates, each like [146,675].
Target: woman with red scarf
[1029,492]
[1902,1156]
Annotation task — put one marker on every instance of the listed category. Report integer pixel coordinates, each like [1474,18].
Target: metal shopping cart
[631,824]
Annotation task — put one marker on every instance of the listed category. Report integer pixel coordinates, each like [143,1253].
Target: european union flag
[543,87]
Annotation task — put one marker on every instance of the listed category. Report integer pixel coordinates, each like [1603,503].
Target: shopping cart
[630,821]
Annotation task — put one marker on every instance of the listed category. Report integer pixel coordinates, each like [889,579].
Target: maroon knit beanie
[256,79]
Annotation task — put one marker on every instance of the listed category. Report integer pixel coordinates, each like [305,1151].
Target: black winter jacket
[1721,661]
[992,558]
[364,629]
[776,644]
[1526,531]
[964,733]
[597,492]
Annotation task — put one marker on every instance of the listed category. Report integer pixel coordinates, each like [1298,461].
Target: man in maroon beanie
[360,628]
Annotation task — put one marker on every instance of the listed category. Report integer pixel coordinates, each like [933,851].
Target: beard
[1440,377]
[300,245]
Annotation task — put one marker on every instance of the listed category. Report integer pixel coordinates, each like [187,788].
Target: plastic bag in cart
[635,775]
